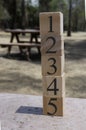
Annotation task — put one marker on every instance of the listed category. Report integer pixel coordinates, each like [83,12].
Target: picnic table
[15,33]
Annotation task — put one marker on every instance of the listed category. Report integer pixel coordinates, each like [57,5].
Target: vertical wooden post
[52,51]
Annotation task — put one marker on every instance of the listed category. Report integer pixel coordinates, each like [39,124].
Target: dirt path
[20,76]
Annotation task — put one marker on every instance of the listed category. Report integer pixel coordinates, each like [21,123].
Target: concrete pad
[24,112]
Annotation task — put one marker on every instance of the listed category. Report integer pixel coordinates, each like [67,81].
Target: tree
[11,6]
[23,16]
[21,13]
[78,15]
[60,6]
[55,5]
[3,12]
[44,5]
[33,16]
[69,18]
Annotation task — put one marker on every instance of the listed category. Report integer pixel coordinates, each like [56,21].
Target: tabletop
[23,30]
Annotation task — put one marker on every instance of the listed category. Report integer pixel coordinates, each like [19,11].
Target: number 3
[53,66]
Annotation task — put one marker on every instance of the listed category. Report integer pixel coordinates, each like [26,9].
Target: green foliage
[53,6]
[60,6]
[33,16]
[78,15]
[3,12]
[17,16]
[44,5]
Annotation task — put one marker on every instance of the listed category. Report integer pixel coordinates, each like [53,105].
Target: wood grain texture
[53,106]
[57,22]
[54,86]
[51,43]
[52,65]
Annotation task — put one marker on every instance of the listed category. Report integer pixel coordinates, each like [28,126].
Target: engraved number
[53,66]
[53,44]
[54,89]
[51,103]
[50,19]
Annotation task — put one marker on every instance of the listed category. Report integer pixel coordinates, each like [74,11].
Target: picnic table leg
[36,40]
[14,35]
[28,54]
[17,38]
[11,40]
[39,50]
[35,36]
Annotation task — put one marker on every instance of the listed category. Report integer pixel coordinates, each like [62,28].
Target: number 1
[50,18]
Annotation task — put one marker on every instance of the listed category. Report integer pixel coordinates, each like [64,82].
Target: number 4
[54,89]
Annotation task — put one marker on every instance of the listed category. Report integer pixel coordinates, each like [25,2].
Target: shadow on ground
[76,86]
[30,110]
[17,56]
[14,82]
[75,50]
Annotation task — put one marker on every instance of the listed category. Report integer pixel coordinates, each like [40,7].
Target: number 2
[53,44]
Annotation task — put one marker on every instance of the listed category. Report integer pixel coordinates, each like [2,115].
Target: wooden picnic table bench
[34,34]
[28,46]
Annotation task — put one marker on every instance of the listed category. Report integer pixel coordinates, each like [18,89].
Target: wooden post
[52,51]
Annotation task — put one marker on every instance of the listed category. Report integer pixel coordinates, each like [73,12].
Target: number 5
[52,105]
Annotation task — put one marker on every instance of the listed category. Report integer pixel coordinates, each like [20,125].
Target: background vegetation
[23,14]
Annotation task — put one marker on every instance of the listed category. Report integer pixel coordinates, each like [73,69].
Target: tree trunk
[23,18]
[70,18]
[14,14]
[44,5]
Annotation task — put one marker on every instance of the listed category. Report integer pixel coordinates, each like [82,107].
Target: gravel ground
[17,75]
[24,112]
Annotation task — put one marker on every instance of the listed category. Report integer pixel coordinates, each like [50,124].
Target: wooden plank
[36,31]
[21,44]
